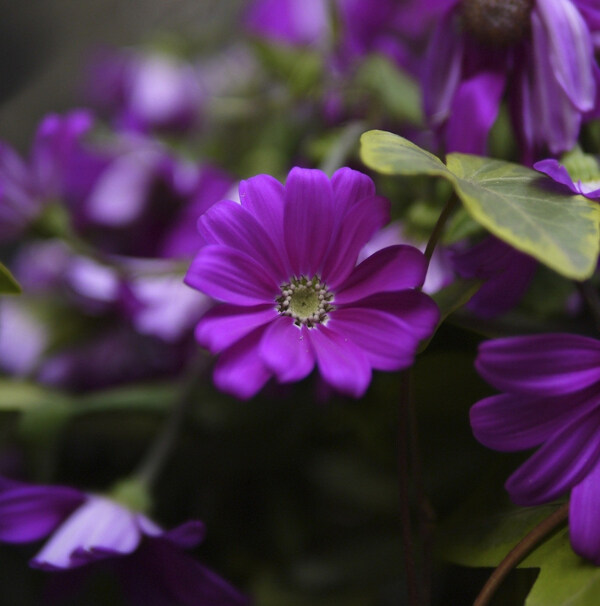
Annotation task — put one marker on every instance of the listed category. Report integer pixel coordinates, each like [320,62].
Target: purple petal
[286,350]
[550,364]
[502,292]
[29,513]
[561,463]
[390,269]
[557,172]
[159,574]
[121,192]
[443,67]
[225,324]
[288,21]
[54,143]
[98,529]
[413,309]
[308,219]
[383,339]
[350,187]
[356,228]
[474,110]
[557,121]
[231,276]
[584,521]
[166,307]
[570,50]
[264,197]
[186,536]
[510,422]
[341,363]
[230,224]
[507,272]
[240,371]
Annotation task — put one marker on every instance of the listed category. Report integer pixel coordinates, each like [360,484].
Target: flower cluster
[183,215]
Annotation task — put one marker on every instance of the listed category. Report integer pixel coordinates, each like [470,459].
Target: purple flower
[283,262]
[26,187]
[87,529]
[551,400]
[361,27]
[295,22]
[588,181]
[539,52]
[506,272]
[143,92]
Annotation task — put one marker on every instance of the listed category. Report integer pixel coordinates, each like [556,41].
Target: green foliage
[565,579]
[398,94]
[513,202]
[300,68]
[487,526]
[8,284]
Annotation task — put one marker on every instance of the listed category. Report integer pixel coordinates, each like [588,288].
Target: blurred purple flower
[506,272]
[284,264]
[87,529]
[26,187]
[139,205]
[289,21]
[551,400]
[588,185]
[144,92]
[543,48]
[386,26]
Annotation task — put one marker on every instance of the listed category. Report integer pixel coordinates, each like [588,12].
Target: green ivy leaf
[390,154]
[511,201]
[562,231]
[8,284]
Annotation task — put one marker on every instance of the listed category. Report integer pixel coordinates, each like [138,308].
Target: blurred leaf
[454,296]
[8,284]
[561,231]
[459,227]
[300,68]
[565,579]
[397,92]
[451,298]
[19,396]
[513,202]
[486,527]
[149,396]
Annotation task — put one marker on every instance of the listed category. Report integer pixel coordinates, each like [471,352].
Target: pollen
[306,300]
[497,22]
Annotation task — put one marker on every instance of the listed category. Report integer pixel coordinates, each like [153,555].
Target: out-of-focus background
[45,44]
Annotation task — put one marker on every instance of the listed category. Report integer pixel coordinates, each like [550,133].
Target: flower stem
[156,457]
[590,296]
[439,226]
[410,565]
[518,553]
[425,511]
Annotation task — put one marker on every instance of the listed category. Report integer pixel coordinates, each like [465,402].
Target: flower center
[497,22]
[306,300]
